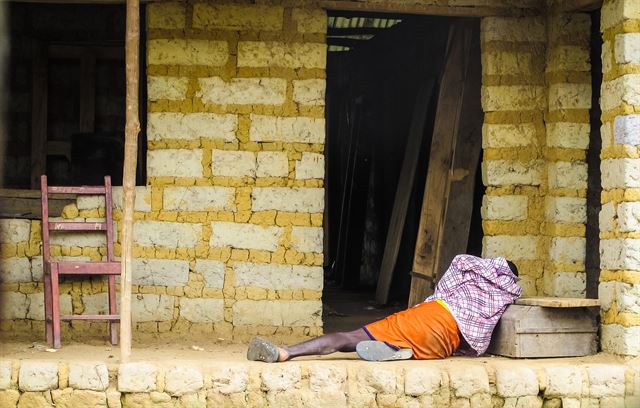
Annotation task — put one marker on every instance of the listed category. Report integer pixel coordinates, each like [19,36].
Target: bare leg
[326,344]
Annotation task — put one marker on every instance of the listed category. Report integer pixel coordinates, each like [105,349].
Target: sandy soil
[217,352]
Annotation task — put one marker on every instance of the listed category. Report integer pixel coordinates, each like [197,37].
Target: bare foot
[283,355]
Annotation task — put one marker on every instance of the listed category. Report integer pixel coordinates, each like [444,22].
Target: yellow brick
[316,220]
[202,250]
[566,230]
[70,211]
[311,294]
[630,277]
[22,248]
[165,253]
[242,216]
[175,291]
[193,290]
[164,327]
[185,253]
[192,217]
[259,256]
[28,288]
[285,294]
[266,218]
[239,255]
[214,293]
[628,319]
[92,213]
[256,293]
[167,216]
[278,256]
[293,257]
[225,216]
[240,293]
[8,250]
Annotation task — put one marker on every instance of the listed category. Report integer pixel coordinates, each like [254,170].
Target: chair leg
[55,300]
[113,309]
[48,306]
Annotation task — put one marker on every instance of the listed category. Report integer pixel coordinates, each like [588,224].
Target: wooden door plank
[403,191]
[462,175]
[445,132]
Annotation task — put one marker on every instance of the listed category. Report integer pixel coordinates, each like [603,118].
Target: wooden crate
[536,331]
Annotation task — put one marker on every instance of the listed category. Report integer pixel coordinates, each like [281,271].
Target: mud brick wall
[536,95]
[233,239]
[228,235]
[620,215]
[28,383]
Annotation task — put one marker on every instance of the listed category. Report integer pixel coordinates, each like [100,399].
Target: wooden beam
[557,302]
[403,191]
[569,6]
[445,133]
[451,11]
[132,129]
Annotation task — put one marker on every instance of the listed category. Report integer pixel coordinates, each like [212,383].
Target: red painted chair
[54,269]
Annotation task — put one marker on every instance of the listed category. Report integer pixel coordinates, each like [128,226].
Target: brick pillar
[567,139]
[619,288]
[513,136]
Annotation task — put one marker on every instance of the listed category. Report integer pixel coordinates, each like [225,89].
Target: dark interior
[71,56]
[373,79]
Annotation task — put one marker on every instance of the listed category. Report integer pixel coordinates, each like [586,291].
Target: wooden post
[132,128]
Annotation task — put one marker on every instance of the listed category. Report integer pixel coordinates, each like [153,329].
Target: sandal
[372,350]
[262,350]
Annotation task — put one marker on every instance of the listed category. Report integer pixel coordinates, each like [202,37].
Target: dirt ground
[217,352]
[343,310]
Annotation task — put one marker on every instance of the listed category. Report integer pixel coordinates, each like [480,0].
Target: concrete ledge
[221,378]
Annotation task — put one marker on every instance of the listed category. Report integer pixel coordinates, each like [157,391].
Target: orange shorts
[428,329]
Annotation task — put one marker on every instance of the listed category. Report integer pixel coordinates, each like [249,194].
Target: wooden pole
[132,128]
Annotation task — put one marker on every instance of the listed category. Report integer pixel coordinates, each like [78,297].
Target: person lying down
[458,318]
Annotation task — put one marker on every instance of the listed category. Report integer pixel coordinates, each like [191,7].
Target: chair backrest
[47,226]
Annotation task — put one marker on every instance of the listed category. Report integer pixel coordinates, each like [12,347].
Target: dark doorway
[376,67]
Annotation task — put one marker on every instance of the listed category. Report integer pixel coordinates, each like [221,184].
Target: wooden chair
[53,269]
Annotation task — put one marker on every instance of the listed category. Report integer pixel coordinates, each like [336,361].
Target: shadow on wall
[4,45]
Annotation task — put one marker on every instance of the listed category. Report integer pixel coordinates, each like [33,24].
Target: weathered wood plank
[426,9]
[535,331]
[462,175]
[557,302]
[403,191]
[445,133]
[572,6]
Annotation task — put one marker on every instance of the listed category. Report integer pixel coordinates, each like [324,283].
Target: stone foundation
[451,383]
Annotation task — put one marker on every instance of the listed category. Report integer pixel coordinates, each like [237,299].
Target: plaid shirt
[477,291]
